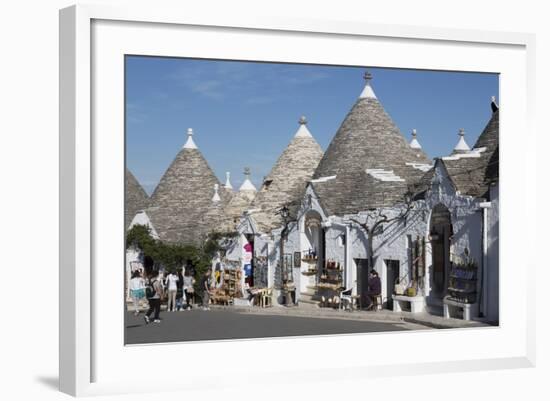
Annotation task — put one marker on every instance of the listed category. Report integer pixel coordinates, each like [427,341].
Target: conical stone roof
[240,201]
[287,180]
[473,172]
[369,163]
[179,206]
[136,198]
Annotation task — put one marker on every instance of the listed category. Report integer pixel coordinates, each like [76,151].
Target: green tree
[173,256]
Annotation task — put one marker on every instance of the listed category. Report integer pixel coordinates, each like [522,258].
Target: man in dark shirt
[374,287]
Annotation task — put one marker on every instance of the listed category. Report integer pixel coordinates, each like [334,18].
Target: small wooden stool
[376,302]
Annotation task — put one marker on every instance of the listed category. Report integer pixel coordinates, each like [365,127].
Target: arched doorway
[441,231]
[313,243]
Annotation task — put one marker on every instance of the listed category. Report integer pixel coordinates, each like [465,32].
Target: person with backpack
[154,294]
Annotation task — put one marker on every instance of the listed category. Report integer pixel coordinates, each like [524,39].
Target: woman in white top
[137,289]
[172,285]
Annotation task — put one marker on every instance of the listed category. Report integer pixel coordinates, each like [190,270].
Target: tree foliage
[174,256]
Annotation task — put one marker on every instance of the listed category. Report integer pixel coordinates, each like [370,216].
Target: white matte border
[434,350]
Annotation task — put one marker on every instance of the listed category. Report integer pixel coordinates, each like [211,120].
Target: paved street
[226,324]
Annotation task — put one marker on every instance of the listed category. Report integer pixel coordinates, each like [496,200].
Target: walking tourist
[374,288]
[188,287]
[172,287]
[206,283]
[154,294]
[137,290]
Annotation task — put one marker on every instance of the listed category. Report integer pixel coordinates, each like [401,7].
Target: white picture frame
[93,39]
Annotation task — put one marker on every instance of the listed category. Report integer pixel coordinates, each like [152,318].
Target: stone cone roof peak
[494,105]
[368,92]
[216,198]
[414,141]
[247,184]
[190,144]
[461,146]
[181,201]
[228,180]
[367,139]
[287,181]
[302,130]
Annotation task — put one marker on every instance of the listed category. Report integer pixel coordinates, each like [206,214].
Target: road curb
[433,322]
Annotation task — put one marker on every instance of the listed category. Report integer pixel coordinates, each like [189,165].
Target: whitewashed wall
[393,243]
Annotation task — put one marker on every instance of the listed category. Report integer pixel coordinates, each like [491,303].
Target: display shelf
[329,286]
[462,287]
[464,291]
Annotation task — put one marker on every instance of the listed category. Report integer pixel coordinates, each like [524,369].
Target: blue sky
[245,113]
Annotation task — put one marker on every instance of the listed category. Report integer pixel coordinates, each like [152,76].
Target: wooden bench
[418,304]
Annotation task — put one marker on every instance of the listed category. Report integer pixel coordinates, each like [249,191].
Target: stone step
[307,301]
[311,287]
[308,297]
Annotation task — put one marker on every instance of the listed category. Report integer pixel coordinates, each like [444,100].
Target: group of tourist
[177,288]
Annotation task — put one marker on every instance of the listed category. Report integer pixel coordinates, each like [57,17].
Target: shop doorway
[313,251]
[392,278]
[362,274]
[249,262]
[440,235]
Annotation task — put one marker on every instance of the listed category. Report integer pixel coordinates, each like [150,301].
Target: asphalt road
[198,325]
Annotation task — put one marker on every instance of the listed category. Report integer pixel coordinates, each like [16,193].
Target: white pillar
[484,290]
[349,277]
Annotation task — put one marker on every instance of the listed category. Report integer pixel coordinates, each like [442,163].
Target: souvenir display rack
[463,283]
[232,282]
[330,283]
[310,258]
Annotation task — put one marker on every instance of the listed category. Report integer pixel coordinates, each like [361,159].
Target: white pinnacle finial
[461,146]
[227,180]
[414,142]
[216,198]
[367,92]
[190,144]
[494,105]
[302,130]
[247,184]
